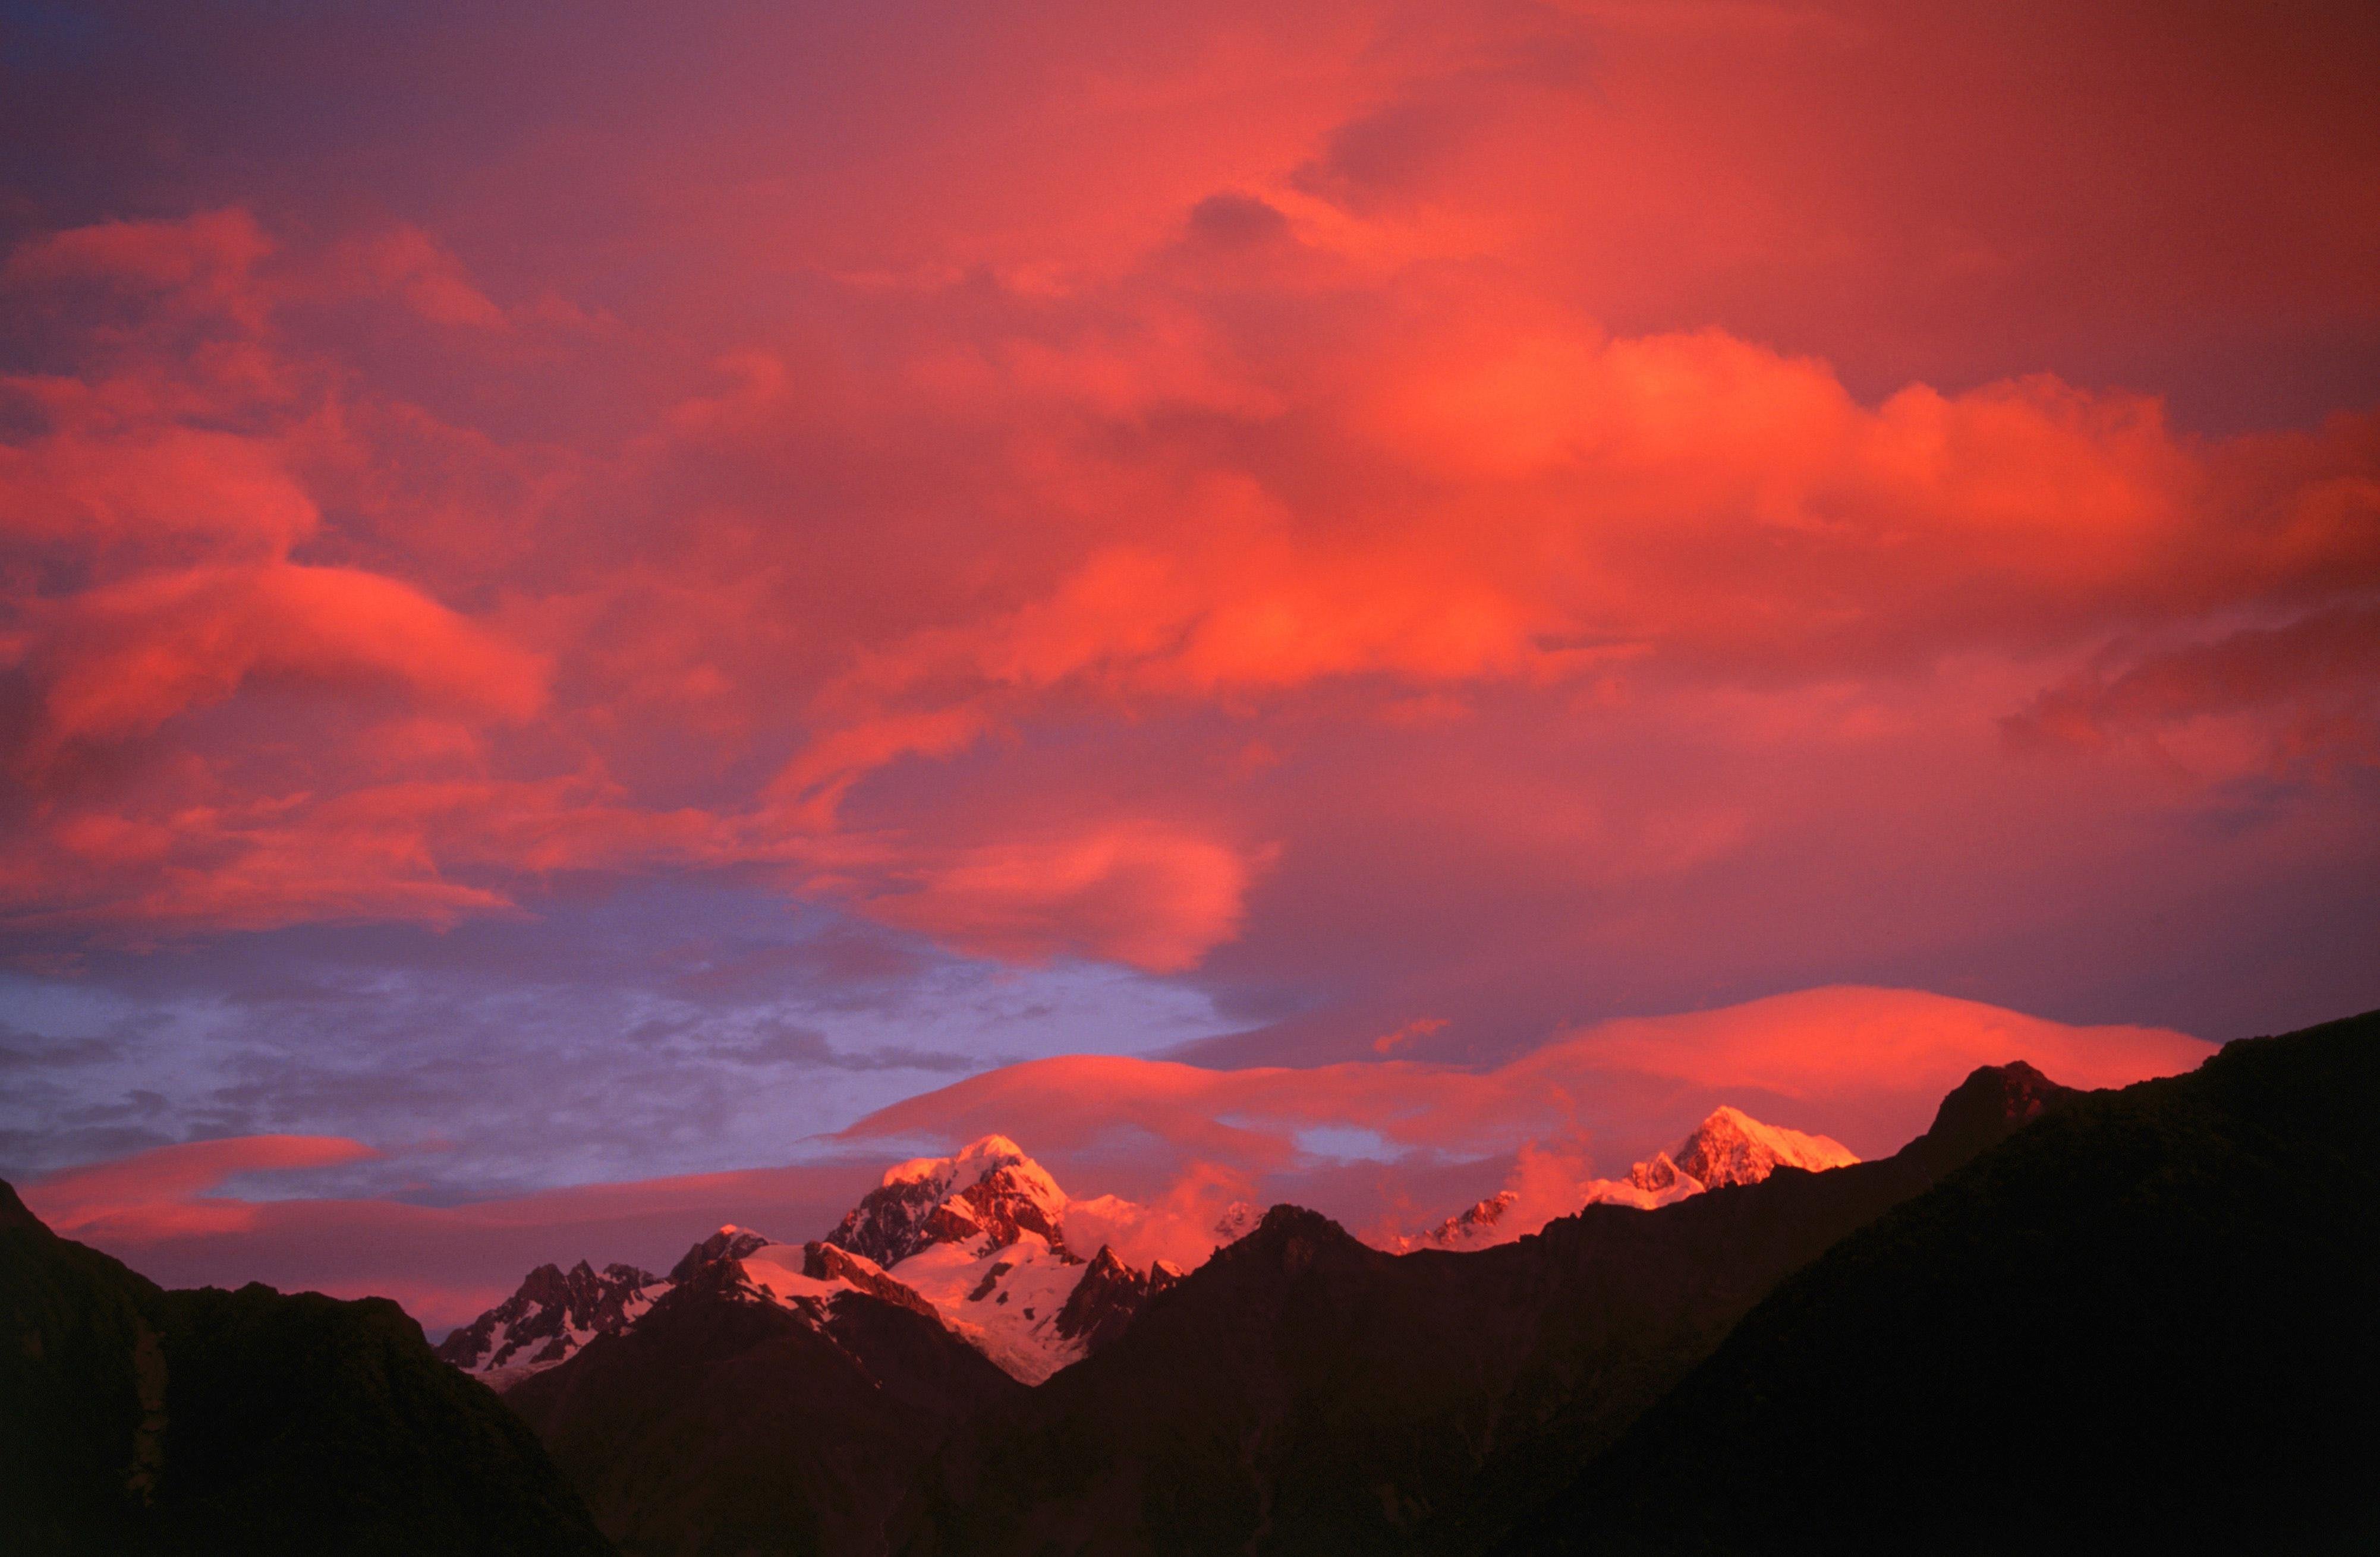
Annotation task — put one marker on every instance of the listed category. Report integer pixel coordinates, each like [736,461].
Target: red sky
[1343,536]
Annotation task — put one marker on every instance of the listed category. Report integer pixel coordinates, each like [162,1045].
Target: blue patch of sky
[1349,1143]
[667,1027]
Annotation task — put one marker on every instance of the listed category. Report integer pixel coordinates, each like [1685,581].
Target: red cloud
[1866,1065]
[106,493]
[163,1193]
[205,261]
[446,1263]
[942,610]
[2306,695]
[121,660]
[1145,894]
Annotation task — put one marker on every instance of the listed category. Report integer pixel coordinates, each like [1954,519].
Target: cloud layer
[1388,1146]
[1398,530]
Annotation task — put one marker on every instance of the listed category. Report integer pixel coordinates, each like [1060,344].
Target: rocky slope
[777,1398]
[552,1315]
[137,1421]
[979,1239]
[1303,1393]
[2144,1326]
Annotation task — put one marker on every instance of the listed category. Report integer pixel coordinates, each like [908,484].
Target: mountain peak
[985,1195]
[730,1243]
[553,1313]
[1991,1102]
[1476,1226]
[1732,1147]
[963,1167]
[1729,1147]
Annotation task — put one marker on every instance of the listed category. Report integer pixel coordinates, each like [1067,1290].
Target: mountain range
[984,1241]
[135,1420]
[2056,1320]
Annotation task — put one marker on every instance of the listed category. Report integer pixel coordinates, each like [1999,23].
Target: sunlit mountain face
[620,621]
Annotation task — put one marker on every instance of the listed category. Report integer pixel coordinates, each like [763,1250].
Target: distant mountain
[980,1239]
[983,1236]
[2146,1324]
[1728,1148]
[776,1398]
[552,1315]
[1732,1147]
[1303,1393]
[137,1421]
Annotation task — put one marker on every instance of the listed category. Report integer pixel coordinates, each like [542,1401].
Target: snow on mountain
[991,1189]
[981,1237]
[977,1240]
[1730,1147]
[553,1314]
[1476,1227]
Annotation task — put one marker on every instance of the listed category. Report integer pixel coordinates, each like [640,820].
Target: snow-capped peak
[969,1165]
[977,1239]
[981,1236]
[1732,1147]
[553,1314]
[983,1196]
[1474,1227]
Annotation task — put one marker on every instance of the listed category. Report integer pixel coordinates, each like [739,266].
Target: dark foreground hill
[137,1421]
[720,1425]
[2145,1323]
[1303,1393]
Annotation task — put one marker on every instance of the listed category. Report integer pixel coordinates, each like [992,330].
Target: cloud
[407,263]
[1866,1066]
[164,1193]
[1851,1049]
[2302,695]
[121,660]
[204,261]
[807,1049]
[1382,1145]
[1519,514]
[1316,486]
[102,491]
[1147,896]
[446,1263]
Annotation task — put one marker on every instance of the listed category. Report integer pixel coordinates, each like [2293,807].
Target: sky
[611,617]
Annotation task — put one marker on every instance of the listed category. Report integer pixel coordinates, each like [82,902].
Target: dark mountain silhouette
[726,1423]
[1302,1392]
[2146,1324]
[137,1421]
